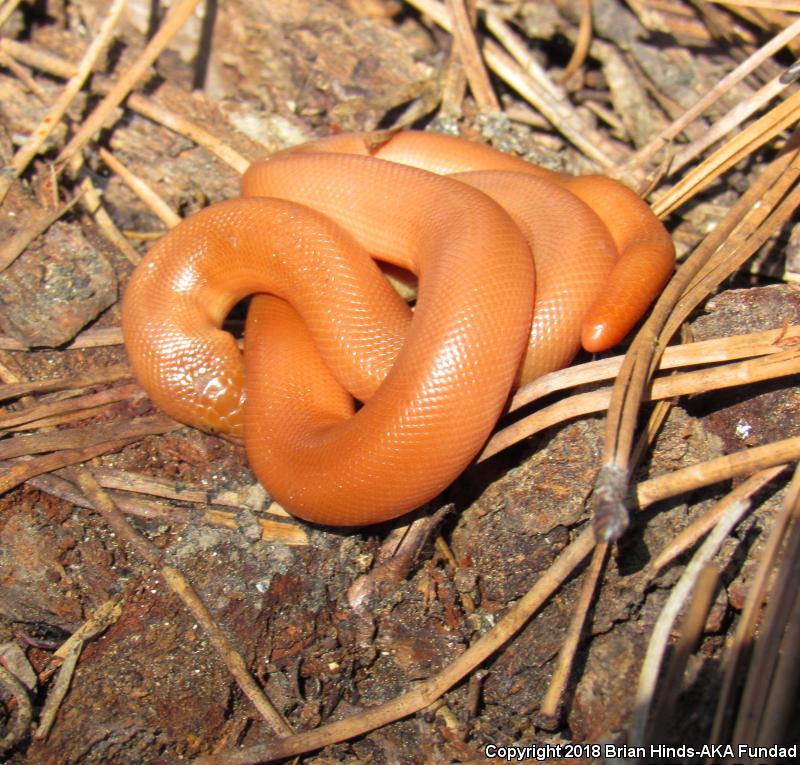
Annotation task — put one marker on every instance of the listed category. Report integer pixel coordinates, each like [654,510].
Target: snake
[354,407]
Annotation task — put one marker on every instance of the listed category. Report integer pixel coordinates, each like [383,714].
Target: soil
[152,688]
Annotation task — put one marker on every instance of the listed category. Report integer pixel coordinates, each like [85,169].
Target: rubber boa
[325,329]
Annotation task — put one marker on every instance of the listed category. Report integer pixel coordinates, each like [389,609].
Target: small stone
[54,289]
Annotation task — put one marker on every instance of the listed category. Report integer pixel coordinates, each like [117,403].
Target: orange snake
[326,328]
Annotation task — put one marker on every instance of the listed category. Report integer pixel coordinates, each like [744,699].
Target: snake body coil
[325,327]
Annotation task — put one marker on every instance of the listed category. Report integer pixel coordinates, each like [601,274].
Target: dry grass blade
[752,138]
[453,88]
[761,210]
[753,61]
[650,431]
[582,45]
[6,9]
[772,5]
[672,308]
[768,693]
[590,142]
[781,364]
[469,52]
[740,647]
[562,115]
[39,411]
[714,351]
[147,107]
[566,656]
[677,598]
[778,718]
[697,606]
[103,111]
[71,447]
[725,125]
[741,245]
[157,205]
[700,527]
[49,122]
[517,48]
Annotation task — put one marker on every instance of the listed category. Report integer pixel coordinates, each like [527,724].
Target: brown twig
[38,58]
[25,77]
[69,652]
[147,107]
[90,338]
[111,374]
[93,205]
[86,438]
[719,469]
[23,470]
[68,417]
[232,658]
[271,530]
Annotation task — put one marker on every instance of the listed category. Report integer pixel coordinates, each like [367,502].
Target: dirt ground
[322,633]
